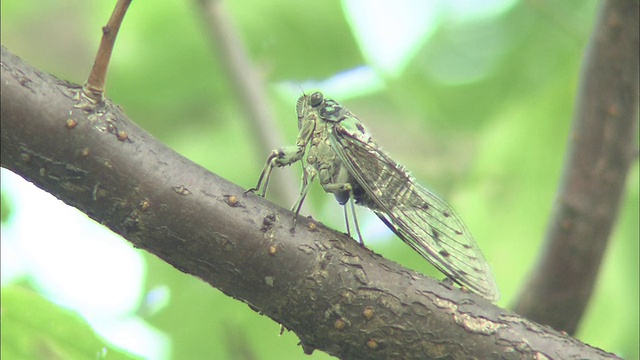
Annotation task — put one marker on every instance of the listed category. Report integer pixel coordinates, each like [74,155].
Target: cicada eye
[316,99]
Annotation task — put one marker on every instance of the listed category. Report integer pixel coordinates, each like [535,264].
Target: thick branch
[335,295]
[602,147]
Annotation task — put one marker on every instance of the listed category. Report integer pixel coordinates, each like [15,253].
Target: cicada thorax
[332,175]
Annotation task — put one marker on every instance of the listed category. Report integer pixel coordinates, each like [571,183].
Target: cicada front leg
[280,157]
[285,155]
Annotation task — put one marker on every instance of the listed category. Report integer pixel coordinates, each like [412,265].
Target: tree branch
[335,295]
[602,146]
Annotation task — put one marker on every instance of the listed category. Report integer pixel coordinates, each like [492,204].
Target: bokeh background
[474,97]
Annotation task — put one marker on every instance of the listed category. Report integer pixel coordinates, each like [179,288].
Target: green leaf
[34,328]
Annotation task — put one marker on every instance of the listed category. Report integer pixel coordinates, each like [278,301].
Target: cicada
[348,163]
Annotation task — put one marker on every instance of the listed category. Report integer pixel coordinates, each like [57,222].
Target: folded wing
[419,217]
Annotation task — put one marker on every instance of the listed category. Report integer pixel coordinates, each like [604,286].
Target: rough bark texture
[335,295]
[602,146]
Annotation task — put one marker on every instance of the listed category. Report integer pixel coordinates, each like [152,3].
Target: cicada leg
[308,174]
[355,220]
[279,157]
[265,175]
[344,194]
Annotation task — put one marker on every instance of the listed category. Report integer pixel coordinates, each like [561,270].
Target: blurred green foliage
[34,328]
[493,146]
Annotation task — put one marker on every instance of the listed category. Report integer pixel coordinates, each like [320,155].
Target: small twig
[602,146]
[93,89]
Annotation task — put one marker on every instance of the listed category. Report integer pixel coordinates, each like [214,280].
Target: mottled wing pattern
[419,217]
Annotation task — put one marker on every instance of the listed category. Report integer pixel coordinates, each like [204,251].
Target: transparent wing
[419,217]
